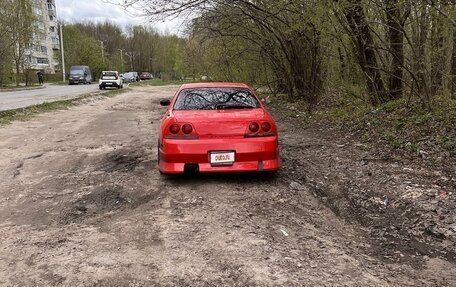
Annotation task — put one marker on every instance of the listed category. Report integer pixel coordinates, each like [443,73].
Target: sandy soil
[82,204]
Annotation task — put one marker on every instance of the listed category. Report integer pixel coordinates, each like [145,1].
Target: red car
[217,127]
[145,76]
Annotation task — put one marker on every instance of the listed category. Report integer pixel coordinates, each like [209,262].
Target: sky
[100,11]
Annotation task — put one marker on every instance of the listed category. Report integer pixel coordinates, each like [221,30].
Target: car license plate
[108,83]
[222,158]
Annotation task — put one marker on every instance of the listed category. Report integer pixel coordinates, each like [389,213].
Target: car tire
[158,162]
[270,174]
[101,88]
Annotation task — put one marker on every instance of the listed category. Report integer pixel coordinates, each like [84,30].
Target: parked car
[217,127]
[110,79]
[79,75]
[145,76]
[131,77]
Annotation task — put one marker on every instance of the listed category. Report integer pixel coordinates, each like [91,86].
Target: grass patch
[158,82]
[23,114]
[398,124]
[410,126]
[113,93]
[27,113]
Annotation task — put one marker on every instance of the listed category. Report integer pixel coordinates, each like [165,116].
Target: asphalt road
[25,98]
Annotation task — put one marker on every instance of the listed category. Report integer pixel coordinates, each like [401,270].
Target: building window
[51,18]
[49,6]
[44,50]
[42,60]
[52,29]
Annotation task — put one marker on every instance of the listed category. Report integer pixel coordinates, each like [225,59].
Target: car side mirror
[165,103]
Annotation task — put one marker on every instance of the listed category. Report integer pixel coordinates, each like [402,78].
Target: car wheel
[101,88]
[270,174]
[158,161]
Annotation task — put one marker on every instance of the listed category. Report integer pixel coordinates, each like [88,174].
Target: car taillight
[187,129]
[254,130]
[174,128]
[254,127]
[181,131]
[266,127]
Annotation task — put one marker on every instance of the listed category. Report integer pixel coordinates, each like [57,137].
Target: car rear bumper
[251,154]
[109,84]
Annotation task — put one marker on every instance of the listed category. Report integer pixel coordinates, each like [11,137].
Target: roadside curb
[22,89]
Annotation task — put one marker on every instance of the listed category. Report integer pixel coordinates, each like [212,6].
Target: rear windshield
[109,74]
[215,99]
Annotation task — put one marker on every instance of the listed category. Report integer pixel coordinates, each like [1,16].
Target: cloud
[100,11]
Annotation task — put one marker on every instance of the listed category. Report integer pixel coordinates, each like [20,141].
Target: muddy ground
[82,204]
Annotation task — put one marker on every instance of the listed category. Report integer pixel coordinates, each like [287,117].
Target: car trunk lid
[220,123]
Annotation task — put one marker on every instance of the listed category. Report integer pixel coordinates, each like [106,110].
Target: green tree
[20,30]
[6,40]
[81,49]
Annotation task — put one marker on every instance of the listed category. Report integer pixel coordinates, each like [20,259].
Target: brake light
[174,128]
[253,130]
[181,131]
[254,127]
[266,127]
[187,129]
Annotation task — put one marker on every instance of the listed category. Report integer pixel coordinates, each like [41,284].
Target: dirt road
[82,204]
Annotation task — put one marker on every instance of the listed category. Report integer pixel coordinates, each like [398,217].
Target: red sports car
[217,127]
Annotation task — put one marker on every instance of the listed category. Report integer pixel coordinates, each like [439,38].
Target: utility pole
[102,50]
[121,60]
[63,52]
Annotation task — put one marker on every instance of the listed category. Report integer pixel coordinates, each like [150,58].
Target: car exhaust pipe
[191,168]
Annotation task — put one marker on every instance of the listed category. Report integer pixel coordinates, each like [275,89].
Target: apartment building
[44,52]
